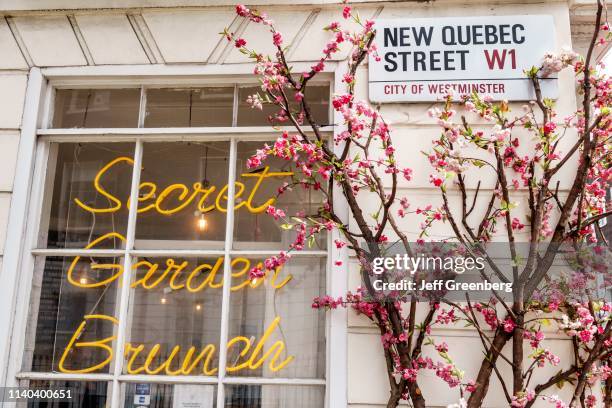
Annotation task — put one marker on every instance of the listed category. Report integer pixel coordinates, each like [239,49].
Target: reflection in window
[318,99]
[280,306]
[66,290]
[169,395]
[82,212]
[183,195]
[96,108]
[177,107]
[273,396]
[169,107]
[164,289]
[255,229]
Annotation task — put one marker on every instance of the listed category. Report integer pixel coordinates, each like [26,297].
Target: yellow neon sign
[251,352]
[173,199]
[173,273]
[74,344]
[182,194]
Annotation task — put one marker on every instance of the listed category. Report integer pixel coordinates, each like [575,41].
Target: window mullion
[142,108]
[227,273]
[126,277]
[235,107]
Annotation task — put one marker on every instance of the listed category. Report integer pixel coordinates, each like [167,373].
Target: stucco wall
[178,36]
[13,80]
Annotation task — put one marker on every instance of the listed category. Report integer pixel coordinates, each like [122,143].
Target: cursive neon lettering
[101,190]
[133,352]
[178,196]
[101,344]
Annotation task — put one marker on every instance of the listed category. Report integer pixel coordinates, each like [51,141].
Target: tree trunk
[608,393]
[486,368]
[394,399]
[517,350]
[416,395]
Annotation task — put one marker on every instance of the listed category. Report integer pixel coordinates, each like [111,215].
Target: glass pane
[169,395]
[183,196]
[254,228]
[317,96]
[275,313]
[83,394]
[96,108]
[73,302]
[175,316]
[169,107]
[274,396]
[86,195]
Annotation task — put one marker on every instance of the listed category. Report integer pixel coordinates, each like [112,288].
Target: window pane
[274,396]
[85,195]
[176,306]
[96,108]
[183,196]
[254,228]
[317,96]
[73,301]
[169,107]
[276,312]
[84,394]
[169,395]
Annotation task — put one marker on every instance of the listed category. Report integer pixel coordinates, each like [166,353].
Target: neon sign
[251,352]
[174,273]
[178,275]
[183,194]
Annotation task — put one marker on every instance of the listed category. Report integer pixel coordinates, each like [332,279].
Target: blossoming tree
[522,151]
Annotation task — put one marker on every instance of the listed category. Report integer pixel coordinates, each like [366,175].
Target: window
[140,294]
[173,107]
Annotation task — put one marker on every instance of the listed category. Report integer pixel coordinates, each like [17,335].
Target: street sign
[423,59]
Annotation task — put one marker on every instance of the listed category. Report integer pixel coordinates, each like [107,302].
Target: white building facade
[124,134]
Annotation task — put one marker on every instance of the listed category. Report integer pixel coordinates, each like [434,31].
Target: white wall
[13,79]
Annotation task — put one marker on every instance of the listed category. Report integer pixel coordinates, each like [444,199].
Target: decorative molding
[146,39]
[81,40]
[301,33]
[223,47]
[22,47]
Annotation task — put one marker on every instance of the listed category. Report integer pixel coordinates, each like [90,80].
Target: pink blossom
[348,78]
[277,39]
[585,335]
[521,399]
[241,10]
[326,302]
[446,316]
[346,12]
[339,244]
[516,224]
[333,26]
[549,127]
[442,347]
[409,374]
[509,325]
[275,212]
[591,401]
[436,181]
[407,173]
[471,386]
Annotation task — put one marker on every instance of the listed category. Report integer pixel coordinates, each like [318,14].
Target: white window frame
[26,206]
